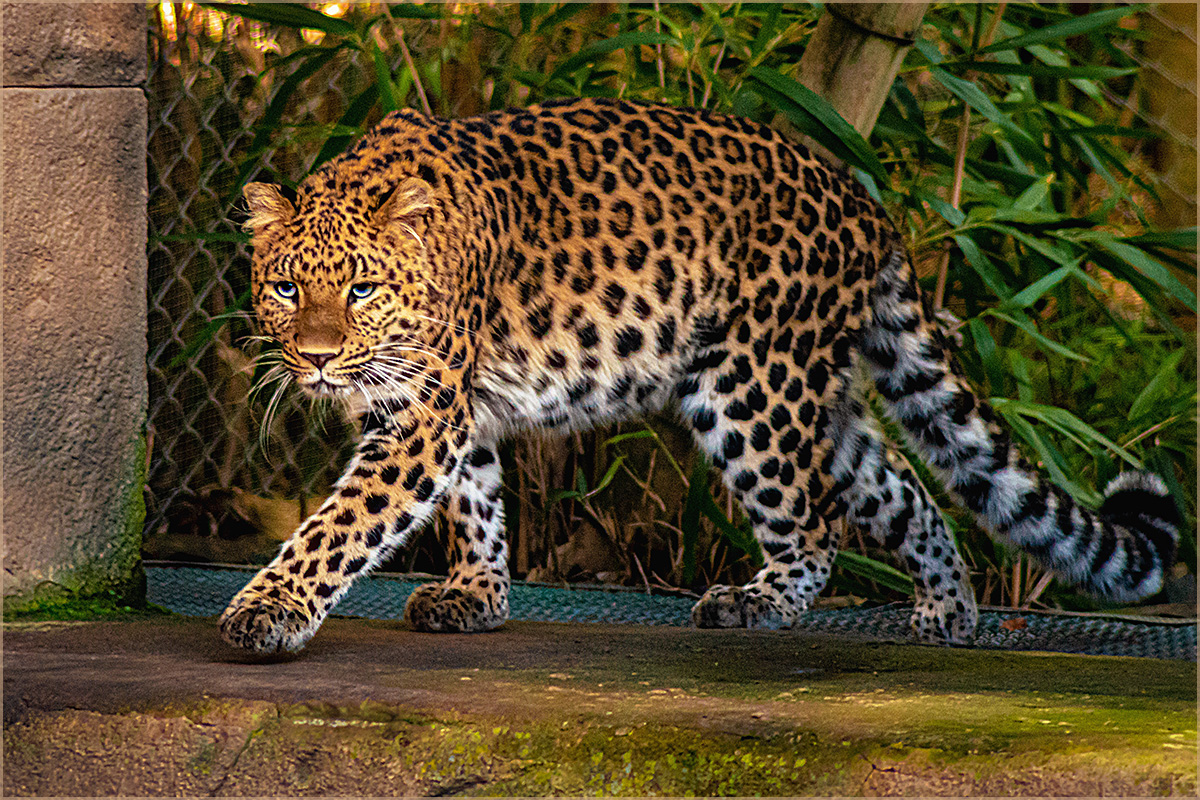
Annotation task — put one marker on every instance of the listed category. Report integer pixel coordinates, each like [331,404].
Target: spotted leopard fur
[458,281]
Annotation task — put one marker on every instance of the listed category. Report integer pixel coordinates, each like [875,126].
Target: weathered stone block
[74,44]
[74,339]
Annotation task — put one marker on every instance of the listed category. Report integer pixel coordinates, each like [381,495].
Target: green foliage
[1075,311]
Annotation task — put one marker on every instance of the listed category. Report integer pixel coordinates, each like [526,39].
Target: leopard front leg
[475,595]
[395,480]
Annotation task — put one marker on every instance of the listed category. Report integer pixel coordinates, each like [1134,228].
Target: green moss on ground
[625,745]
[68,607]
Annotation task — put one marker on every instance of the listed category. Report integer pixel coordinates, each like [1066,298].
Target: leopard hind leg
[880,494]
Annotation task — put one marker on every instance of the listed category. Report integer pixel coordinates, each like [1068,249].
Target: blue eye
[361,291]
[286,289]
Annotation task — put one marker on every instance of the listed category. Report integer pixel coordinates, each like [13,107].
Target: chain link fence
[218,118]
[206,139]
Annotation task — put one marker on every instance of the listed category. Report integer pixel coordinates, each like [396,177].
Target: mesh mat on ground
[205,591]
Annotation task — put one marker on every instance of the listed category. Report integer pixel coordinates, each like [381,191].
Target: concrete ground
[158,706]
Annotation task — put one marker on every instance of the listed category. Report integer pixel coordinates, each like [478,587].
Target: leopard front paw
[262,625]
[739,607]
[435,607]
[945,620]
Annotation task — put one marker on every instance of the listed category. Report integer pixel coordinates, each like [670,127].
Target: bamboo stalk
[709,84]
[662,69]
[960,163]
[1036,591]
[412,67]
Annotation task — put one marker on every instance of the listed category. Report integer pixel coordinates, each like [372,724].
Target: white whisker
[456,328]
[264,436]
[403,390]
[389,349]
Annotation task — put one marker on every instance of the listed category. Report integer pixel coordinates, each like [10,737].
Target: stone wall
[74,300]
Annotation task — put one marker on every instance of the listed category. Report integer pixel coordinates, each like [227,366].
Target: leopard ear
[405,207]
[268,207]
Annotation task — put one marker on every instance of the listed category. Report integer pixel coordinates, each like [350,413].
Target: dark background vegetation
[1077,308]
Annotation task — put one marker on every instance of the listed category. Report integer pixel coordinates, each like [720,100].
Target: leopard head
[343,282]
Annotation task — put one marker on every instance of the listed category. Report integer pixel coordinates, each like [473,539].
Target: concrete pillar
[74,300]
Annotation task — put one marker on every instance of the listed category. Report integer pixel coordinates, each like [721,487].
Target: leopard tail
[1119,552]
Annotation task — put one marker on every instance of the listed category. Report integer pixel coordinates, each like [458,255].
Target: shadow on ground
[161,707]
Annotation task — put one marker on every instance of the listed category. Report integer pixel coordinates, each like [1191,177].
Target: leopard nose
[318,360]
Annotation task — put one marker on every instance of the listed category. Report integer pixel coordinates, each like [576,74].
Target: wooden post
[855,54]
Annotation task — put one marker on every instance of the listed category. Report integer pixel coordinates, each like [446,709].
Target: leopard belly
[578,399]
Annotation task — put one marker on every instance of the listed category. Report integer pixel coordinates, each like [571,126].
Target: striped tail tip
[1140,502]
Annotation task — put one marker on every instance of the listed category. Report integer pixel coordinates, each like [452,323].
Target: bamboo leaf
[1052,459]
[985,346]
[353,118]
[595,51]
[559,495]
[982,265]
[427,11]
[383,80]
[1033,197]
[1061,30]
[1038,70]
[736,536]
[1158,386]
[1022,375]
[952,215]
[1159,460]
[564,13]
[872,570]
[292,15]
[1034,291]
[1044,248]
[1183,239]
[299,55]
[269,123]
[1031,330]
[973,96]
[1143,263]
[1065,423]
[624,437]
[1095,131]
[766,30]
[274,111]
[526,12]
[929,50]
[812,114]
[609,474]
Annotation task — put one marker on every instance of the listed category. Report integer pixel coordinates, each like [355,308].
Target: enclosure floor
[159,706]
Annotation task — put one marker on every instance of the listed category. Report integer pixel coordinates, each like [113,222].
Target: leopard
[456,282]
